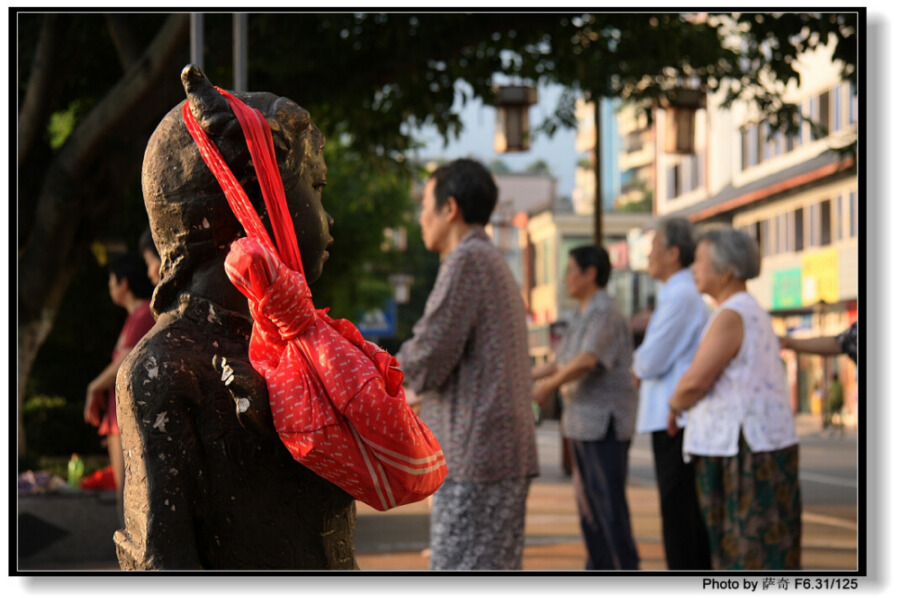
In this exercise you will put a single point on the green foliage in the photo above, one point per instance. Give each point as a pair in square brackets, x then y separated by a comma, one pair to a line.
[498, 166]
[644, 205]
[62, 124]
[363, 199]
[538, 167]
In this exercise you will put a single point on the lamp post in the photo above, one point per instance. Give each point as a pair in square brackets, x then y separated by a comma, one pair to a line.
[598, 176]
[239, 46]
[197, 39]
[239, 51]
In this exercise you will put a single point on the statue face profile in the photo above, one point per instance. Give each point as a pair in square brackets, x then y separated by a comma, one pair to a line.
[191, 221]
[312, 223]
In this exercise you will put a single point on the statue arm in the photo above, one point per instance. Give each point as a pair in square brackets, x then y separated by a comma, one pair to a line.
[162, 466]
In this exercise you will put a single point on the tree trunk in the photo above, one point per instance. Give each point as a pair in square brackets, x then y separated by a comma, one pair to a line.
[71, 195]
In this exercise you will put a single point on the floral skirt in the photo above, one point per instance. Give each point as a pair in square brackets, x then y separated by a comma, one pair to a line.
[751, 506]
[478, 526]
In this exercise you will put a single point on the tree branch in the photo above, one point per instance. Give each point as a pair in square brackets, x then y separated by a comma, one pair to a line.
[125, 97]
[37, 97]
[59, 205]
[123, 37]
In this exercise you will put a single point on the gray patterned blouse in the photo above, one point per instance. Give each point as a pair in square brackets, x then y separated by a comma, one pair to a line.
[606, 392]
[469, 359]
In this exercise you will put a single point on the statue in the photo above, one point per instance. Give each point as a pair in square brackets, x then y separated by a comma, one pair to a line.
[209, 486]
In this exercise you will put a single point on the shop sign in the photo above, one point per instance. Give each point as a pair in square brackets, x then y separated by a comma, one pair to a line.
[786, 289]
[820, 277]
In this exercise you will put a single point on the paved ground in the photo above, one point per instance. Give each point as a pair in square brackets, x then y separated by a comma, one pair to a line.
[73, 531]
[553, 537]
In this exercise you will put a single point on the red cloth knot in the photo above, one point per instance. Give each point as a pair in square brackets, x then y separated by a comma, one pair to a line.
[277, 295]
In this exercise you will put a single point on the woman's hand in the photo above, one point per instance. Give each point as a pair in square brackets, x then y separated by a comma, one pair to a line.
[672, 423]
[94, 404]
[542, 393]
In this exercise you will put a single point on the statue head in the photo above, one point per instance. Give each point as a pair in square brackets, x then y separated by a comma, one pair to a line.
[192, 223]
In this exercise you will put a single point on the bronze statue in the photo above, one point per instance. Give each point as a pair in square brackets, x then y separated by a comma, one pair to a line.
[209, 485]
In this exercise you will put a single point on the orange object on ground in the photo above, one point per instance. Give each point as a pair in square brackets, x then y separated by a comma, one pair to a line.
[102, 479]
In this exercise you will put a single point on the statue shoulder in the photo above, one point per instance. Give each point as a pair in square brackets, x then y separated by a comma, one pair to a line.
[153, 369]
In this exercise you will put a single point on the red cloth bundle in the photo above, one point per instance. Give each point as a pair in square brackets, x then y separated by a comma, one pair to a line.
[336, 399]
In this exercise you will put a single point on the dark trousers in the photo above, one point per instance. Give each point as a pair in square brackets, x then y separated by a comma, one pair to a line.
[601, 467]
[685, 536]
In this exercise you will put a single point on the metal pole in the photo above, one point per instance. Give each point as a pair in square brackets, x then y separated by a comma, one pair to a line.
[240, 51]
[598, 176]
[197, 39]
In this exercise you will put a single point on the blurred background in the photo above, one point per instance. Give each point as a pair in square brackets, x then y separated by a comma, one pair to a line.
[593, 123]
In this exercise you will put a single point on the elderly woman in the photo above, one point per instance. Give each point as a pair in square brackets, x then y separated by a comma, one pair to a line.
[740, 431]
[592, 374]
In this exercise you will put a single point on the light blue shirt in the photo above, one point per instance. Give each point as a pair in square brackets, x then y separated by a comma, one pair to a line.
[668, 348]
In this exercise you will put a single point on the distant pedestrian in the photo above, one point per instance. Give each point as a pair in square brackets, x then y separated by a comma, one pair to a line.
[468, 359]
[740, 430]
[670, 343]
[592, 373]
[835, 403]
[129, 288]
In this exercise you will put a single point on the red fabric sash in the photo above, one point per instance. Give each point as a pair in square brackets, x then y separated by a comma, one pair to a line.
[337, 400]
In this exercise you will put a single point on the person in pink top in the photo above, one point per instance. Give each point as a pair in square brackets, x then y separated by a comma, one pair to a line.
[129, 288]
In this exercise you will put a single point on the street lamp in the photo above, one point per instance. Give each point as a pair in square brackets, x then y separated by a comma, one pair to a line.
[511, 132]
[681, 105]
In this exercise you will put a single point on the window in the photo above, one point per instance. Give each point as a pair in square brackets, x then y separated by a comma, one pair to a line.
[785, 232]
[836, 116]
[672, 183]
[629, 179]
[825, 210]
[852, 209]
[690, 167]
[633, 142]
[853, 102]
[764, 238]
[822, 113]
[779, 248]
[764, 143]
[809, 109]
[839, 217]
[798, 229]
[795, 139]
[814, 225]
[699, 169]
[749, 147]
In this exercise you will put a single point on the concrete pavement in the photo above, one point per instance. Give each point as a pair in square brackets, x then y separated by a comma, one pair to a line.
[73, 532]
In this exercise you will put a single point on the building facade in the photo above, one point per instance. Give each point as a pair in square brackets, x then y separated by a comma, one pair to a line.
[798, 196]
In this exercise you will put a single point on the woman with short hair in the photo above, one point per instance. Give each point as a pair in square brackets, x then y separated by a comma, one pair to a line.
[740, 430]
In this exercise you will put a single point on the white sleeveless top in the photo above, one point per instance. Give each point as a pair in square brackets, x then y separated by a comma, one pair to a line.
[750, 395]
